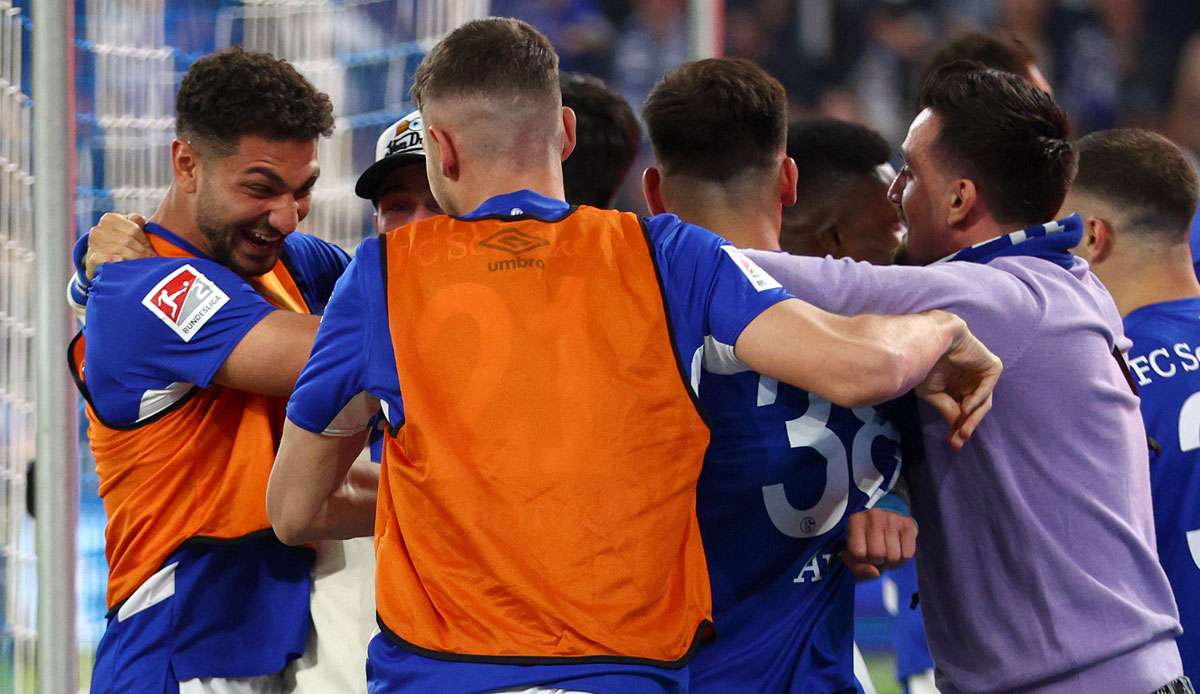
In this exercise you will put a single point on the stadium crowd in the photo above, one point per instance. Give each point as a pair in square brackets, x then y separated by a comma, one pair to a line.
[604, 452]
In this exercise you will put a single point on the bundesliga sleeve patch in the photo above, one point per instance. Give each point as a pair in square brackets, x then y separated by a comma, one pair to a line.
[185, 300]
[758, 277]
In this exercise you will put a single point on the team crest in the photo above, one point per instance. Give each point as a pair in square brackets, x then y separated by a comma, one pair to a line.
[185, 300]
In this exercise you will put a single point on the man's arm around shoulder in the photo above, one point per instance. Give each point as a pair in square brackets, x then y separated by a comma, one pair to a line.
[865, 360]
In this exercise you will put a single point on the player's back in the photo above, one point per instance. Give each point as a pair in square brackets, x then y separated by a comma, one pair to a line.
[784, 471]
[1164, 362]
[537, 503]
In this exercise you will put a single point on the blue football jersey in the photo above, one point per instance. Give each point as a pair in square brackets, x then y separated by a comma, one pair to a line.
[784, 471]
[1165, 363]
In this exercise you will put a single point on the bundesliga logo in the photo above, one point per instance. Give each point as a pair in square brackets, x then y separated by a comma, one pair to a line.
[185, 300]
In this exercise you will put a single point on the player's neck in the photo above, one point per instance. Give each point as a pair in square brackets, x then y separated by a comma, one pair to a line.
[484, 184]
[746, 225]
[177, 214]
[1152, 278]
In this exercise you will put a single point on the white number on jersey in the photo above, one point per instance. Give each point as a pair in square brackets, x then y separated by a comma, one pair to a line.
[811, 430]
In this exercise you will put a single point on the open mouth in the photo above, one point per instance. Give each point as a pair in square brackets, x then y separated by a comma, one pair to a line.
[264, 240]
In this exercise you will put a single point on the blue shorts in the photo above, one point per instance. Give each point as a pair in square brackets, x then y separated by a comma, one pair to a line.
[230, 610]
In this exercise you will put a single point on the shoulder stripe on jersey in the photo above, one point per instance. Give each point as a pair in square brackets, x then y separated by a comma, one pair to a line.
[156, 400]
[719, 358]
[662, 294]
[77, 376]
[704, 628]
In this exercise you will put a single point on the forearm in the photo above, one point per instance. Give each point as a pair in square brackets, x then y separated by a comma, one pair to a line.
[350, 511]
[914, 345]
[850, 361]
[307, 495]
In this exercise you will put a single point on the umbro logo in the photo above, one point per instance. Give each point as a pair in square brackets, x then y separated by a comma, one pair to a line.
[514, 241]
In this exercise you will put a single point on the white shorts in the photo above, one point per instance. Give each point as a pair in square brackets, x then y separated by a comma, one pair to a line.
[343, 617]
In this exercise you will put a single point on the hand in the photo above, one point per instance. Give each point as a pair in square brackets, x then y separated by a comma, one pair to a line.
[878, 539]
[960, 384]
[115, 238]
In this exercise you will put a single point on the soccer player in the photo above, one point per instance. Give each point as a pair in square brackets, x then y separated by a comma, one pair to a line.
[607, 139]
[536, 518]
[1036, 565]
[343, 599]
[841, 205]
[842, 210]
[185, 361]
[1137, 194]
[787, 476]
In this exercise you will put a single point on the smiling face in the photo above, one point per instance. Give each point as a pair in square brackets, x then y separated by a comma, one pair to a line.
[921, 193]
[248, 201]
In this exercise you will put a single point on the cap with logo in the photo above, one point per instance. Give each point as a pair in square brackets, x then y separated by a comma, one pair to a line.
[403, 142]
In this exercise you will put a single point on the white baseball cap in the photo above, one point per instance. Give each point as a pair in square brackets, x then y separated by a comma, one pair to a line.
[403, 142]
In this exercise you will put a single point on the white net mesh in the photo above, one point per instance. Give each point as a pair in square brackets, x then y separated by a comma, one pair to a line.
[17, 435]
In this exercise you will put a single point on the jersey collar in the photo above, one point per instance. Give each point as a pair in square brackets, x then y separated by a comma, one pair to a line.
[1051, 241]
[522, 203]
[175, 239]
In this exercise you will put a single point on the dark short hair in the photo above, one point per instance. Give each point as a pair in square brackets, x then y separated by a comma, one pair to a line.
[1004, 134]
[1144, 175]
[496, 56]
[234, 92]
[607, 135]
[716, 118]
[1000, 51]
[831, 152]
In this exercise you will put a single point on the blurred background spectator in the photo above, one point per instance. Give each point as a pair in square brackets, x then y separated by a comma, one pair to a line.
[1111, 62]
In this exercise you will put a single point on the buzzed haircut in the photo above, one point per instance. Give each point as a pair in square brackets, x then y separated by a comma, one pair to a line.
[492, 57]
[1005, 135]
[1144, 175]
[234, 92]
[715, 119]
[607, 136]
[830, 153]
[1000, 51]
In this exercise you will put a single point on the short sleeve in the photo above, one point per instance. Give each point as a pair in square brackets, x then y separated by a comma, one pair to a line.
[350, 353]
[317, 264]
[158, 323]
[708, 283]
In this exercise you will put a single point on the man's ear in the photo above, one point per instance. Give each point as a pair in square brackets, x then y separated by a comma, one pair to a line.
[1100, 238]
[963, 198]
[652, 190]
[446, 150]
[789, 174]
[569, 122]
[185, 165]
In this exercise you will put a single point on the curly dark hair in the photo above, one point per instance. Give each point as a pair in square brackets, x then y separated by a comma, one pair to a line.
[1006, 135]
[234, 92]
